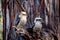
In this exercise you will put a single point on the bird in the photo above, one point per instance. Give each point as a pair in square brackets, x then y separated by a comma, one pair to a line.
[37, 25]
[22, 21]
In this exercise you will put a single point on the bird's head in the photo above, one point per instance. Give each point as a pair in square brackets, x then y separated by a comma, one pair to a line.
[22, 13]
[38, 19]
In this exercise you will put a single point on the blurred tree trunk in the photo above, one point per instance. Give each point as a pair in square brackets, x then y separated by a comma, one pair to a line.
[57, 18]
[4, 18]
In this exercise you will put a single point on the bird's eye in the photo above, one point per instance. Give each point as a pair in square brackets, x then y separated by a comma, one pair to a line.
[38, 20]
[24, 14]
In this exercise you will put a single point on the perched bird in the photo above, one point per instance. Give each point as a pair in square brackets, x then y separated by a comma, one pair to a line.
[23, 19]
[38, 25]
[22, 22]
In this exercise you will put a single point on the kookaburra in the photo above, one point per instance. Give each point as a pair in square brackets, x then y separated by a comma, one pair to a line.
[23, 20]
[38, 25]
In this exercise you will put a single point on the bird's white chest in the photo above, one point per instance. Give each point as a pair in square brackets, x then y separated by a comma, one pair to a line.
[23, 20]
[37, 24]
